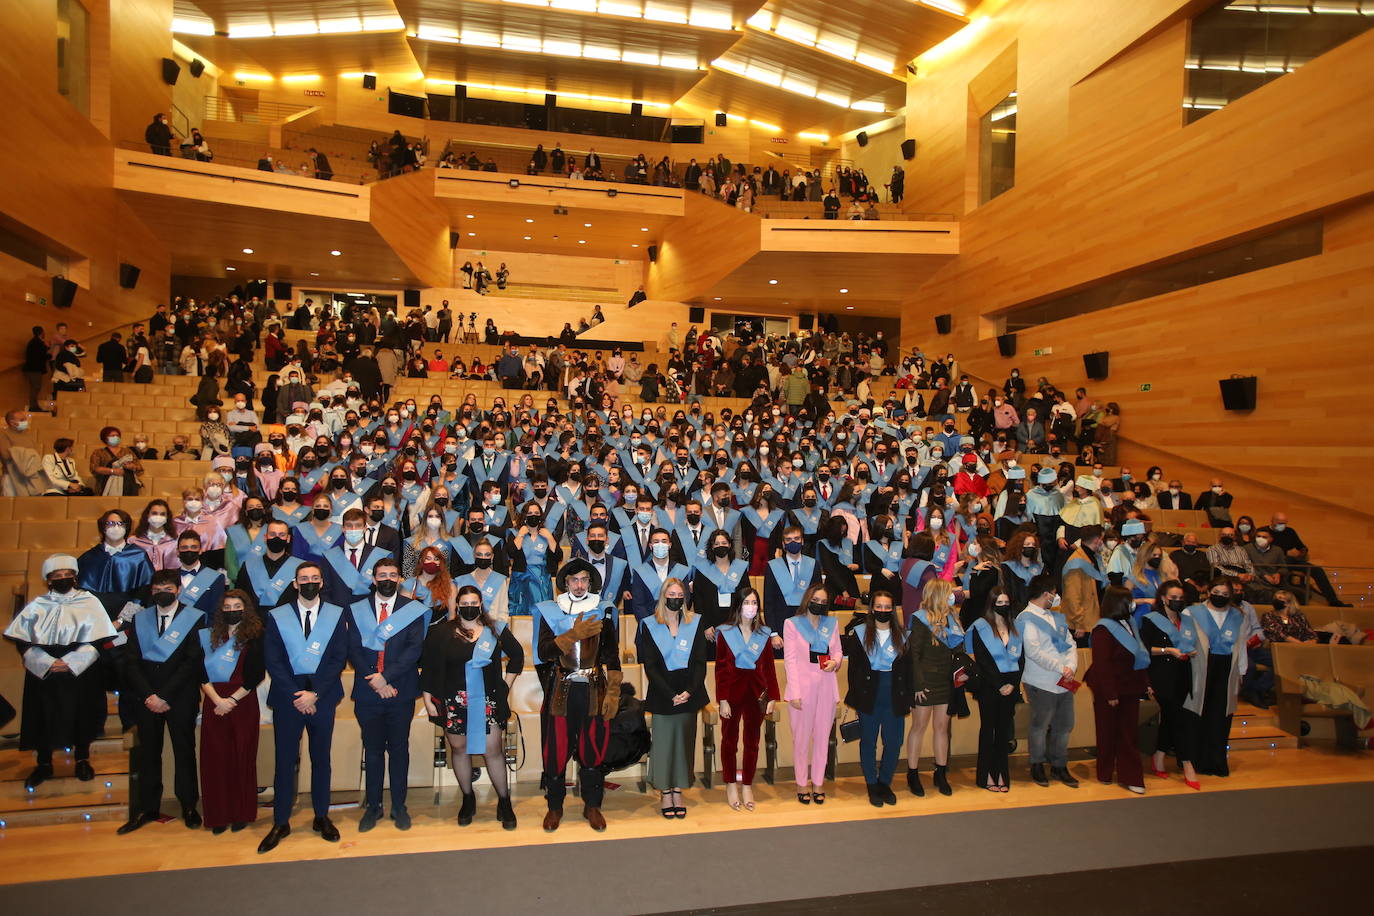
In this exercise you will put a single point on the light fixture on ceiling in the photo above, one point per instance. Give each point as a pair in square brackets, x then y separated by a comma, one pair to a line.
[581, 241]
[247, 251]
[643, 228]
[527, 238]
[192, 26]
[586, 225]
[313, 274]
[469, 216]
[529, 219]
[772, 282]
[717, 298]
[336, 252]
[231, 268]
[471, 234]
[849, 308]
[635, 245]
[843, 290]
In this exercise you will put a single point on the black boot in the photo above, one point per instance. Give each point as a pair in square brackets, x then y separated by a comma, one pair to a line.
[468, 809]
[505, 813]
[941, 779]
[874, 797]
[913, 782]
[1037, 774]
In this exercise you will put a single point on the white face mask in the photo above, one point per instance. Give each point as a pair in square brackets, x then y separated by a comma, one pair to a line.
[192, 507]
[115, 533]
[213, 493]
[749, 611]
[975, 549]
[432, 523]
[935, 524]
[157, 522]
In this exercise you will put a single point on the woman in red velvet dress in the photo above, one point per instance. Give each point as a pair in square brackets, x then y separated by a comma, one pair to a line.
[746, 689]
[229, 714]
[1119, 677]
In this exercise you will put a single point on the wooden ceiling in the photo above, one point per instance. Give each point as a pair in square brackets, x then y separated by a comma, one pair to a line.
[503, 227]
[366, 52]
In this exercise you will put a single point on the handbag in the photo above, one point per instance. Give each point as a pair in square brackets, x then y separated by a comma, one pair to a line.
[851, 730]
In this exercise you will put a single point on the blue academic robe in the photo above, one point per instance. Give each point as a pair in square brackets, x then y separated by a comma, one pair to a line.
[114, 578]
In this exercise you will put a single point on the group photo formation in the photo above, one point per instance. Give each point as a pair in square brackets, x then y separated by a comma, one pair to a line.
[476, 439]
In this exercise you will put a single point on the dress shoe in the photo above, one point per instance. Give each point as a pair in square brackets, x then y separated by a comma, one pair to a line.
[218, 830]
[235, 828]
[467, 809]
[552, 820]
[942, 779]
[41, 774]
[326, 829]
[369, 819]
[274, 836]
[402, 818]
[137, 821]
[1037, 774]
[192, 819]
[889, 797]
[505, 813]
[84, 771]
[913, 782]
[1063, 775]
[875, 798]
[596, 819]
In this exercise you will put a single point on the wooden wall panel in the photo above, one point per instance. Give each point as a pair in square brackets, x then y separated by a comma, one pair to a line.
[416, 226]
[701, 249]
[140, 37]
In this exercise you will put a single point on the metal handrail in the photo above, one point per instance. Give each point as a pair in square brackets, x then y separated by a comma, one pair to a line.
[218, 108]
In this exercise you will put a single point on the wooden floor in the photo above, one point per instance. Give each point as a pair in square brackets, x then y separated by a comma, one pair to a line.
[84, 850]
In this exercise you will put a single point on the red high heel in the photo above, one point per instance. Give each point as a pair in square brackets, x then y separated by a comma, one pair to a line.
[1162, 774]
[1197, 786]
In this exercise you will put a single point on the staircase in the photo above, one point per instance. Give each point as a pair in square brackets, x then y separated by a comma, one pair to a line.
[1255, 729]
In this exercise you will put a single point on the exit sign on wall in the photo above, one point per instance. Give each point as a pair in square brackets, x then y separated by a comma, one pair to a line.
[1146, 387]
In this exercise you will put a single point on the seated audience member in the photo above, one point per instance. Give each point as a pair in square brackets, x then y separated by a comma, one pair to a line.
[1287, 540]
[60, 469]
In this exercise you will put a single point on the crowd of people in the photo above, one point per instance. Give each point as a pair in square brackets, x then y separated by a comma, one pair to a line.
[399, 536]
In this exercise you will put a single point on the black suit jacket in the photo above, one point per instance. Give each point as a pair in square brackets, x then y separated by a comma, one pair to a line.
[1168, 501]
[177, 680]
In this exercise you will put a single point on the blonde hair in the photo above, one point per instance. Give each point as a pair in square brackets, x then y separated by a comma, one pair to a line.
[1167, 568]
[935, 602]
[659, 612]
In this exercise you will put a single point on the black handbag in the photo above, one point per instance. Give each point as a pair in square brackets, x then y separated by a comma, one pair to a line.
[851, 730]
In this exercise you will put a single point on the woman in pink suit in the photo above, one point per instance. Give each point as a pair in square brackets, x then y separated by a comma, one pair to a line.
[811, 656]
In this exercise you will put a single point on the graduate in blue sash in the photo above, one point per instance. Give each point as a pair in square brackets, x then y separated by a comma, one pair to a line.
[747, 691]
[317, 534]
[305, 649]
[160, 677]
[386, 632]
[493, 586]
[718, 578]
[613, 571]
[786, 579]
[1119, 677]
[674, 650]
[229, 715]
[348, 564]
[1171, 675]
[880, 692]
[247, 538]
[996, 648]
[882, 553]
[202, 586]
[1051, 661]
[271, 578]
[288, 506]
[1217, 630]
[534, 553]
[812, 656]
[935, 634]
[648, 577]
[470, 664]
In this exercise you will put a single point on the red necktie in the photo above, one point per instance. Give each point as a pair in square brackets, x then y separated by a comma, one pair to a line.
[353, 557]
[381, 618]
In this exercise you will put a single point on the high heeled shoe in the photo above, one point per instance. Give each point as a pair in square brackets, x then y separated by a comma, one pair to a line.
[668, 811]
[1195, 785]
[732, 795]
[1162, 774]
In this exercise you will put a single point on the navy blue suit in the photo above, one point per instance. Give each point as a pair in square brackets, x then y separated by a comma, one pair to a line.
[385, 723]
[207, 602]
[335, 590]
[776, 610]
[288, 723]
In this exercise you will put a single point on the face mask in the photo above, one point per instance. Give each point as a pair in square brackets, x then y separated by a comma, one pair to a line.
[862, 474]
[720, 551]
[660, 551]
[644, 517]
[430, 567]
[339, 483]
[1261, 543]
[309, 590]
[288, 496]
[1190, 549]
[1055, 602]
[1243, 528]
[188, 557]
[674, 604]
[819, 608]
[1218, 490]
[1227, 541]
[534, 521]
[1174, 491]
[387, 587]
[354, 537]
[1154, 562]
[192, 506]
[1279, 526]
[232, 618]
[410, 475]
[115, 532]
[975, 549]
[157, 522]
[793, 547]
[278, 544]
[488, 452]
[749, 611]
[164, 599]
[212, 417]
[469, 611]
[494, 499]
[1219, 601]
[214, 492]
[482, 562]
[23, 425]
[433, 523]
[64, 585]
[320, 514]
[935, 524]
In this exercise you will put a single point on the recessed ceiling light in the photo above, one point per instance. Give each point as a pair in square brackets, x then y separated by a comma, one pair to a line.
[844, 290]
[581, 241]
[231, 268]
[336, 252]
[527, 238]
[247, 251]
[469, 216]
[586, 225]
[313, 274]
[634, 246]
[643, 228]
[717, 298]
[394, 278]
[849, 308]
[472, 233]
[529, 219]
[772, 282]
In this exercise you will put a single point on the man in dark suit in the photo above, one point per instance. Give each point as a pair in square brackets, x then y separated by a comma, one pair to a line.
[305, 647]
[199, 586]
[489, 464]
[386, 633]
[348, 564]
[162, 666]
[271, 578]
[379, 535]
[1174, 497]
[786, 579]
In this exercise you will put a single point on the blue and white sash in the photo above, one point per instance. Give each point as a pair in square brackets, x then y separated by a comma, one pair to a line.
[1058, 632]
[219, 663]
[817, 637]
[954, 633]
[1007, 657]
[155, 648]
[476, 685]
[373, 634]
[305, 654]
[194, 590]
[891, 555]
[358, 580]
[244, 546]
[676, 650]
[745, 651]
[792, 592]
[319, 543]
[489, 589]
[1129, 639]
[1178, 636]
[1220, 640]
[881, 655]
[269, 592]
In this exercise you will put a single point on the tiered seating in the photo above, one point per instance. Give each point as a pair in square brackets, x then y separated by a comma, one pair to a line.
[1352, 666]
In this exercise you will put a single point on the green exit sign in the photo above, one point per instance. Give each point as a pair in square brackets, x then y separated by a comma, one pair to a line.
[1146, 387]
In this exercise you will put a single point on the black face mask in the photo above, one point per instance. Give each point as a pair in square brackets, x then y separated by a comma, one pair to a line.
[441, 501]
[164, 599]
[188, 557]
[694, 518]
[482, 562]
[387, 587]
[410, 475]
[288, 496]
[809, 503]
[1228, 541]
[277, 545]
[339, 483]
[1219, 601]
[596, 546]
[819, 609]
[674, 604]
[541, 492]
[232, 618]
[377, 515]
[309, 590]
[882, 616]
[256, 515]
[1176, 604]
[1028, 552]
[388, 490]
[1154, 562]
[469, 611]
[1190, 549]
[721, 551]
[64, 585]
[320, 514]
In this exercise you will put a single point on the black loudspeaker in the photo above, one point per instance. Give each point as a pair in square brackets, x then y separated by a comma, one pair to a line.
[720, 119]
[1006, 344]
[696, 314]
[412, 298]
[460, 91]
[550, 100]
[453, 239]
[1239, 392]
[1095, 364]
[369, 81]
[255, 289]
[63, 292]
[281, 289]
[636, 109]
[908, 149]
[862, 138]
[197, 67]
[170, 71]
[653, 254]
[128, 276]
[943, 323]
[804, 322]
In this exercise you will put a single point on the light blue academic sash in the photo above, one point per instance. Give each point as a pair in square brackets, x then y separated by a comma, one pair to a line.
[1022, 572]
[310, 479]
[725, 582]
[1220, 640]
[244, 546]
[676, 651]
[578, 504]
[817, 637]
[219, 663]
[648, 574]
[195, 589]
[954, 633]
[359, 580]
[891, 556]
[1129, 639]
[462, 548]
[479, 471]
[414, 586]
[745, 651]
[1058, 632]
[305, 655]
[373, 634]
[1007, 657]
[844, 552]
[292, 517]
[763, 527]
[1181, 639]
[269, 592]
[809, 520]
[880, 656]
[319, 544]
[1086, 567]
[918, 569]
[489, 590]
[155, 648]
[792, 592]
[482, 651]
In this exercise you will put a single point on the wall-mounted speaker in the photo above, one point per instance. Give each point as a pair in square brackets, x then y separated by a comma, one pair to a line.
[197, 67]
[636, 109]
[550, 100]
[653, 254]
[943, 323]
[908, 149]
[1006, 344]
[862, 137]
[370, 81]
[1095, 364]
[460, 91]
[720, 119]
[1239, 392]
[696, 314]
[281, 289]
[255, 289]
[412, 298]
[63, 292]
[453, 239]
[128, 276]
[170, 71]
[805, 322]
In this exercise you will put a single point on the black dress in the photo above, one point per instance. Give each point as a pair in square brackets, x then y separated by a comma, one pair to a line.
[996, 714]
[1172, 681]
[443, 675]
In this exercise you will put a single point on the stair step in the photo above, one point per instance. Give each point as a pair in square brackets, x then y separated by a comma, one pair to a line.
[65, 792]
[16, 765]
[1254, 730]
[1252, 743]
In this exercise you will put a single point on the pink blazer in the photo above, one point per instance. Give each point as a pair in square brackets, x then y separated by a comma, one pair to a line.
[805, 679]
